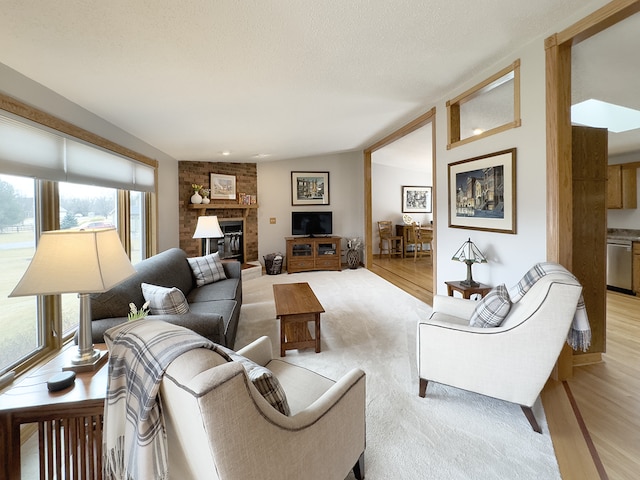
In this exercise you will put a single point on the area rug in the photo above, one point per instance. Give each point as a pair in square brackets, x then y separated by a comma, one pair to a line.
[371, 324]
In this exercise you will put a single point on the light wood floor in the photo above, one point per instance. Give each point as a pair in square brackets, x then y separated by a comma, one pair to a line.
[415, 278]
[594, 417]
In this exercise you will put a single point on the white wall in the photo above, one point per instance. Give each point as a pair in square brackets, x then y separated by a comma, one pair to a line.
[510, 256]
[628, 218]
[346, 197]
[26, 90]
[386, 195]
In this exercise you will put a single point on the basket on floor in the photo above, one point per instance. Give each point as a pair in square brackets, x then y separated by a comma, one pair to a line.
[273, 263]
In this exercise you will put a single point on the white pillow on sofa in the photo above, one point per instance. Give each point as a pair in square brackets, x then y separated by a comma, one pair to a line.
[164, 300]
[207, 269]
[492, 309]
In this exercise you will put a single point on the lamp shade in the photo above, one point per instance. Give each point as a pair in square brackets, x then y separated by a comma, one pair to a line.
[469, 253]
[208, 227]
[75, 261]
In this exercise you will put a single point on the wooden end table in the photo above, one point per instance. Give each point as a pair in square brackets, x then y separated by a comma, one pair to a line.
[296, 305]
[69, 421]
[466, 291]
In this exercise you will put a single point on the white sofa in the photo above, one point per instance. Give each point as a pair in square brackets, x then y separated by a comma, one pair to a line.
[511, 362]
[220, 427]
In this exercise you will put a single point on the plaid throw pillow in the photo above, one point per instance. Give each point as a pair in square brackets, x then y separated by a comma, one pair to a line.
[492, 309]
[207, 269]
[264, 381]
[164, 301]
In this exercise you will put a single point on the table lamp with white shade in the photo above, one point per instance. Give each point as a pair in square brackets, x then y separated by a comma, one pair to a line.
[77, 261]
[208, 228]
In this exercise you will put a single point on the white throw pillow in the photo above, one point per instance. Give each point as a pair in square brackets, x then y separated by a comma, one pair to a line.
[164, 300]
[492, 309]
[207, 269]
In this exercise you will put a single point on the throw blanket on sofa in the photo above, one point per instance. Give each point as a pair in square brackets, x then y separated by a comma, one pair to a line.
[134, 441]
[580, 332]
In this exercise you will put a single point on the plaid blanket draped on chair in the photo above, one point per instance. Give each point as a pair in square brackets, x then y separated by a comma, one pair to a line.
[580, 332]
[134, 433]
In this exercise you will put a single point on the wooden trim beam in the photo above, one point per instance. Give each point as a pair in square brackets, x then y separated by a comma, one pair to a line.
[410, 127]
[600, 20]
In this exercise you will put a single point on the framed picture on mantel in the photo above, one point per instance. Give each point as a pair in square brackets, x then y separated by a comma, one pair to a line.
[223, 186]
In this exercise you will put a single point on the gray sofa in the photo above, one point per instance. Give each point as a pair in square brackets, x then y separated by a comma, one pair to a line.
[214, 308]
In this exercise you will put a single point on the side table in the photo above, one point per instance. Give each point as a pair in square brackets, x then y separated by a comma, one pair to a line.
[69, 421]
[465, 291]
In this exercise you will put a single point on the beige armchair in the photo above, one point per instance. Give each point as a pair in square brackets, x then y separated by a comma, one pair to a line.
[220, 427]
[510, 362]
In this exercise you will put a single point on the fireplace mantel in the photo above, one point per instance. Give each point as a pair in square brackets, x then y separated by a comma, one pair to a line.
[223, 206]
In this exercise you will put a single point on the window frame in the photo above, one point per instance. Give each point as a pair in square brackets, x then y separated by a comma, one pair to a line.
[494, 81]
[47, 217]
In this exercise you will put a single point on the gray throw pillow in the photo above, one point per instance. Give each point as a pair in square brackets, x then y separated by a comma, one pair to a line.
[492, 309]
[207, 269]
[164, 300]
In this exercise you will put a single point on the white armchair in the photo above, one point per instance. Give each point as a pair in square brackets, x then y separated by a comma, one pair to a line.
[511, 362]
[220, 427]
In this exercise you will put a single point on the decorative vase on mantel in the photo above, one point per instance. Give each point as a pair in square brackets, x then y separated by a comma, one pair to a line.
[196, 198]
[205, 200]
[205, 196]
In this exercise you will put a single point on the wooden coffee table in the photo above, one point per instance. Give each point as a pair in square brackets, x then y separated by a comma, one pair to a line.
[296, 306]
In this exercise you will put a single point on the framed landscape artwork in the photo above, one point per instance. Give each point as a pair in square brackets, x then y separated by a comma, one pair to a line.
[482, 192]
[309, 188]
[416, 200]
[223, 186]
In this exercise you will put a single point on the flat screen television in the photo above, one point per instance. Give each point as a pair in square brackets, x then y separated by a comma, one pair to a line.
[312, 224]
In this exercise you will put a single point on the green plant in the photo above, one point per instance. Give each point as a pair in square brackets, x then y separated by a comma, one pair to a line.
[136, 314]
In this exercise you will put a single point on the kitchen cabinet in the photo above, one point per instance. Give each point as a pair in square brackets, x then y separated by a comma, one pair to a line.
[622, 191]
[636, 267]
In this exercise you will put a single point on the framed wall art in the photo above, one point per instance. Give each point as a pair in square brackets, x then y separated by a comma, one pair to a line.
[309, 188]
[416, 200]
[482, 192]
[223, 186]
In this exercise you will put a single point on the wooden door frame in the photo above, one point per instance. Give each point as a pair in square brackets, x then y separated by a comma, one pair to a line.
[410, 127]
[558, 108]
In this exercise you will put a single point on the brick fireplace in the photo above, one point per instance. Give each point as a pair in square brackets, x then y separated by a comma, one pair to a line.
[229, 212]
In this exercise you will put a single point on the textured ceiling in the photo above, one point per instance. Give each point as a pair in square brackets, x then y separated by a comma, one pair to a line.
[282, 78]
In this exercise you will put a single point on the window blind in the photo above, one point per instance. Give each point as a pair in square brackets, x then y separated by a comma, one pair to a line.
[34, 151]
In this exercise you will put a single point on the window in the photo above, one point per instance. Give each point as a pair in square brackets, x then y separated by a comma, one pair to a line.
[137, 226]
[51, 180]
[488, 108]
[83, 207]
[19, 321]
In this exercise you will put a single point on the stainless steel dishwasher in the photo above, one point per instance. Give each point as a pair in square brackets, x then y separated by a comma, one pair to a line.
[619, 259]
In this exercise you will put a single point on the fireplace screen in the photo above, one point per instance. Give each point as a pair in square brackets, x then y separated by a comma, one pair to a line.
[231, 246]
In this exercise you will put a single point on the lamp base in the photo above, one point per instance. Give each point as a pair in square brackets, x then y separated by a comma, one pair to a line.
[469, 282]
[87, 363]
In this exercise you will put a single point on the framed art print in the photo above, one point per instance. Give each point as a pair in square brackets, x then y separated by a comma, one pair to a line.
[309, 188]
[416, 200]
[223, 186]
[482, 192]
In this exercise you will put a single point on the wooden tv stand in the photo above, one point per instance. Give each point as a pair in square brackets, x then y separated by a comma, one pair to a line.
[313, 253]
